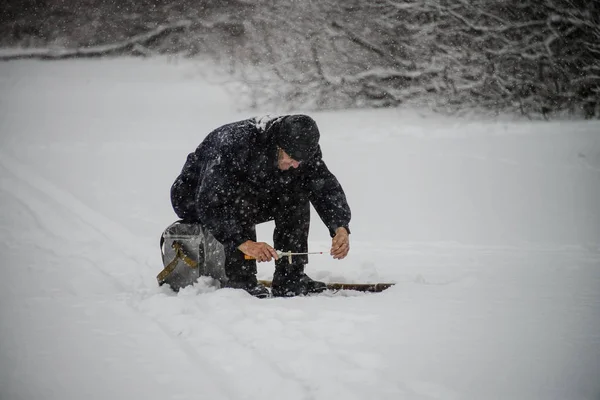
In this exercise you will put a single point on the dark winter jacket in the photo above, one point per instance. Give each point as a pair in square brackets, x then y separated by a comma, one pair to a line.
[236, 166]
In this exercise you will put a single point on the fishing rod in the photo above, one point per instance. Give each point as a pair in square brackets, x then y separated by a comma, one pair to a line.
[287, 254]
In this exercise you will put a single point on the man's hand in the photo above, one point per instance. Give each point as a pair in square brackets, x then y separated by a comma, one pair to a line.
[259, 250]
[340, 244]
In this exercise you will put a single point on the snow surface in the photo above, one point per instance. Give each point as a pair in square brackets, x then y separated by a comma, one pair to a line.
[490, 229]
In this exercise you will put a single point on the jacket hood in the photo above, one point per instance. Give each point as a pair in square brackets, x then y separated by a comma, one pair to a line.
[297, 135]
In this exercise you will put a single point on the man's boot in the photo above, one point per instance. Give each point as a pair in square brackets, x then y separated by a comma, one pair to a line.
[248, 283]
[241, 274]
[290, 280]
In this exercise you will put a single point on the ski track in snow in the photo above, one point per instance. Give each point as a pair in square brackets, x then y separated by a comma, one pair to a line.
[37, 203]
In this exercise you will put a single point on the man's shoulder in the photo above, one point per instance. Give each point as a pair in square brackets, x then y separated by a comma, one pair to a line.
[225, 133]
[237, 125]
[264, 122]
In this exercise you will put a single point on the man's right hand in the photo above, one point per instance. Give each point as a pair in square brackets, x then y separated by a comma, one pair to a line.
[259, 250]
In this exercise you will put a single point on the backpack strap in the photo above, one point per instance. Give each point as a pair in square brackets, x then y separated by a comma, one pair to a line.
[180, 254]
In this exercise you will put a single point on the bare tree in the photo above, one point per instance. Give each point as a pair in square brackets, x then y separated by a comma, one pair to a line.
[532, 57]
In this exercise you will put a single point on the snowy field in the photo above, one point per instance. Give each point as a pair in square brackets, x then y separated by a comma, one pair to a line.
[490, 230]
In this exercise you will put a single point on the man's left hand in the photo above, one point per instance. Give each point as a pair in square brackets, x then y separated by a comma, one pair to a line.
[340, 244]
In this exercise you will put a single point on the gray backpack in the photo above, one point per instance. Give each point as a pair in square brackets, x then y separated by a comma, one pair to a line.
[188, 252]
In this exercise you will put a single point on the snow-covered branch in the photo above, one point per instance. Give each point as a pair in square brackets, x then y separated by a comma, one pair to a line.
[132, 45]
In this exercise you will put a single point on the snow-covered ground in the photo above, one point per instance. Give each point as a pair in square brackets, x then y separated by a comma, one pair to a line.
[490, 229]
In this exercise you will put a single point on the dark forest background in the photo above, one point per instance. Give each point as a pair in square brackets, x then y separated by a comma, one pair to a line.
[540, 58]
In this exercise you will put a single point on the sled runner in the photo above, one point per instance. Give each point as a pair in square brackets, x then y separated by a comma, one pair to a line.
[361, 287]
[188, 251]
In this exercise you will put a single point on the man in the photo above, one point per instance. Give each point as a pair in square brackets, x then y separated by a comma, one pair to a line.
[259, 170]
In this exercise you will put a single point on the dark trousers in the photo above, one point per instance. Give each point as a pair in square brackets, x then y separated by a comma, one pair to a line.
[290, 209]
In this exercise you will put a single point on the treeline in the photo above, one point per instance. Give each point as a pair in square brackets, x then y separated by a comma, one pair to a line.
[535, 57]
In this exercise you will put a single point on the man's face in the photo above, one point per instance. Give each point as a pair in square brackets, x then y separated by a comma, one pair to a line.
[285, 162]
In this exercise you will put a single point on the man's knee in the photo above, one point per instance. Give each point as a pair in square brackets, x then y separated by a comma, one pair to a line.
[295, 206]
